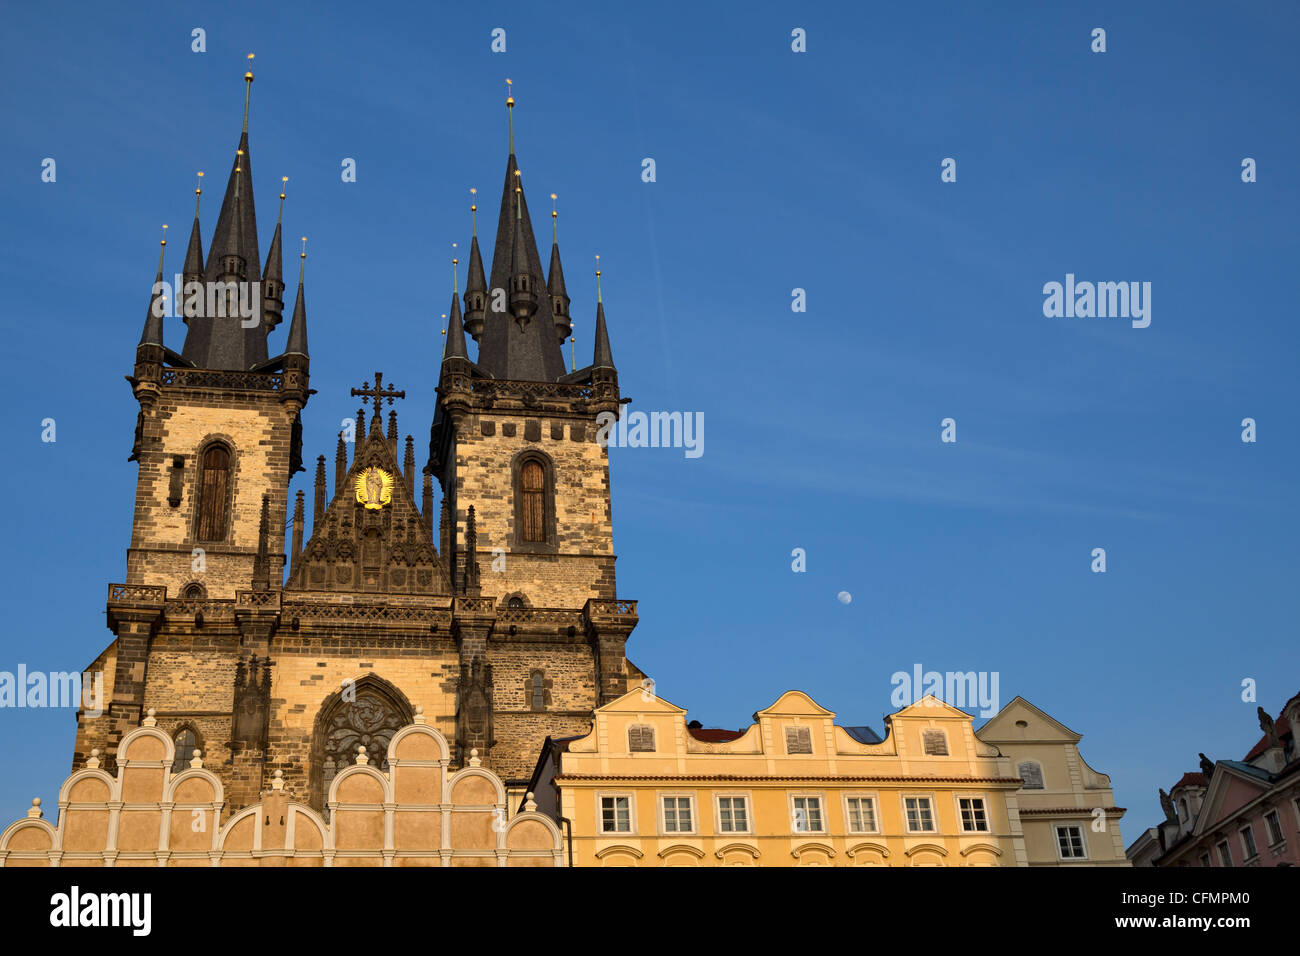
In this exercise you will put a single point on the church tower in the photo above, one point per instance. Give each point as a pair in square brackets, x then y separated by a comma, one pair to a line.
[218, 438]
[524, 479]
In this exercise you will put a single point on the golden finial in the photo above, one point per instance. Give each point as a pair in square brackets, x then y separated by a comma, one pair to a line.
[510, 108]
[248, 89]
[283, 180]
[519, 195]
[473, 209]
[161, 248]
[598, 279]
[455, 282]
[444, 335]
[555, 214]
[573, 361]
[302, 260]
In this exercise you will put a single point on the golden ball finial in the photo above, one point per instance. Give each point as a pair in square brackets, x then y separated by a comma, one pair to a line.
[198, 189]
[248, 77]
[510, 100]
[164, 235]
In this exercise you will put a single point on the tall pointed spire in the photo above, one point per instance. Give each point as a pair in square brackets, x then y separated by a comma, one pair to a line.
[455, 348]
[523, 297]
[153, 320]
[476, 285]
[555, 280]
[194, 254]
[602, 357]
[518, 343]
[273, 274]
[218, 342]
[297, 343]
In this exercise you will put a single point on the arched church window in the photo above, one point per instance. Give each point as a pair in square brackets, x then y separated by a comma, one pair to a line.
[532, 490]
[365, 715]
[186, 743]
[193, 592]
[214, 493]
[515, 603]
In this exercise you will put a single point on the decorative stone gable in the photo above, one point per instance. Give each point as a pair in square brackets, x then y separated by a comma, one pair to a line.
[372, 537]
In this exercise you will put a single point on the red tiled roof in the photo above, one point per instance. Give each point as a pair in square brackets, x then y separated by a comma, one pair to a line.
[1282, 726]
[714, 735]
[1191, 780]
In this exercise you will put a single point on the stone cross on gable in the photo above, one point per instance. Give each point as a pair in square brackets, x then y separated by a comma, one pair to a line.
[379, 393]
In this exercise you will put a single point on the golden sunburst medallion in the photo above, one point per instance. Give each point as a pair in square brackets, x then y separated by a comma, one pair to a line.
[374, 488]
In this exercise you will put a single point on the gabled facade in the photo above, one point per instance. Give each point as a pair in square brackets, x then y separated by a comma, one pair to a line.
[1067, 809]
[793, 789]
[1234, 812]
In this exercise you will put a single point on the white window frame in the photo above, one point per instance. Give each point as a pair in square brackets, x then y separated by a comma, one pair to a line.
[601, 797]
[821, 811]
[749, 813]
[1249, 848]
[663, 815]
[875, 811]
[934, 812]
[1083, 840]
[957, 798]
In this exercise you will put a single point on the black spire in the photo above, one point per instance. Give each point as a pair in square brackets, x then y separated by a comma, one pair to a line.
[602, 357]
[193, 271]
[455, 333]
[153, 319]
[273, 278]
[475, 292]
[555, 288]
[297, 343]
[527, 351]
[218, 342]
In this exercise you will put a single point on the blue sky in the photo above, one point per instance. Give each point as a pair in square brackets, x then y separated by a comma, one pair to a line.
[775, 171]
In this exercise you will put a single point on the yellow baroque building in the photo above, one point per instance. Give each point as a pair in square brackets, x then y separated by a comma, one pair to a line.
[1067, 809]
[794, 789]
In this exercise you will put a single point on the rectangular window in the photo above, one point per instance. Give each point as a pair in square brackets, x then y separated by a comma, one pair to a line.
[920, 815]
[1069, 841]
[733, 815]
[807, 814]
[1248, 841]
[1274, 824]
[615, 815]
[935, 743]
[798, 740]
[1225, 853]
[677, 815]
[1205, 860]
[973, 817]
[862, 814]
